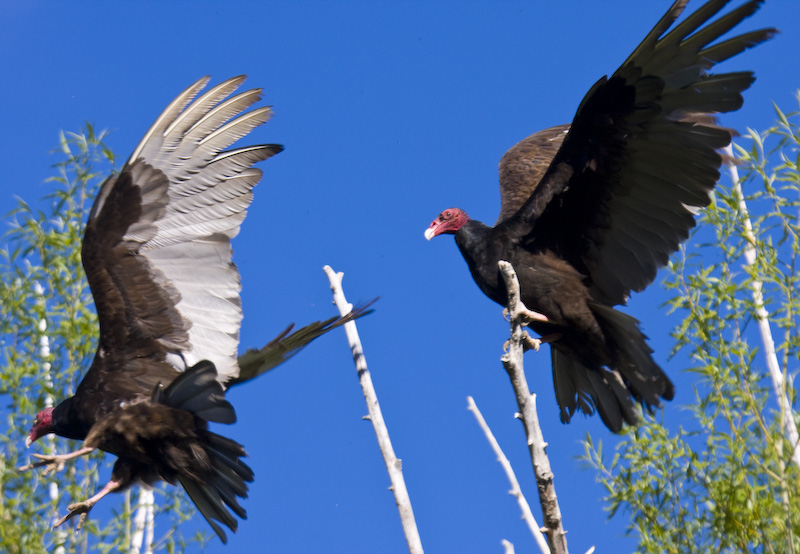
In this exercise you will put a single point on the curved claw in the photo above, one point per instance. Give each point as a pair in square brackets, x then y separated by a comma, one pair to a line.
[51, 464]
[82, 508]
[530, 343]
[55, 462]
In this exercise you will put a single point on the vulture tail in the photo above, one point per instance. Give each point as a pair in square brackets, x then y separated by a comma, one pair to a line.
[646, 380]
[255, 361]
[197, 391]
[581, 388]
[613, 391]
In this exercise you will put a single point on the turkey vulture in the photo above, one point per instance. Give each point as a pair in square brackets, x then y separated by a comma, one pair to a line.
[157, 254]
[590, 211]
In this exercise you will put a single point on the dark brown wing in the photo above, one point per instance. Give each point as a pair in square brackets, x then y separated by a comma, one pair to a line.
[522, 167]
[157, 249]
[135, 306]
[641, 155]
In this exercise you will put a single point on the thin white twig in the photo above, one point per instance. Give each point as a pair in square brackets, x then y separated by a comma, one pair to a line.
[509, 547]
[762, 317]
[142, 538]
[512, 362]
[150, 523]
[44, 354]
[515, 491]
[138, 530]
[393, 464]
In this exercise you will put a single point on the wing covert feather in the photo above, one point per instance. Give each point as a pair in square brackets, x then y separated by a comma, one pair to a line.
[522, 167]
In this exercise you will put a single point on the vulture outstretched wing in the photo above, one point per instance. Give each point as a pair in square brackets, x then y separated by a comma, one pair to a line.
[157, 249]
[641, 154]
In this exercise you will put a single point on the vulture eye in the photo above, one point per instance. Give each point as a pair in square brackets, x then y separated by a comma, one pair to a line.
[36, 422]
[447, 215]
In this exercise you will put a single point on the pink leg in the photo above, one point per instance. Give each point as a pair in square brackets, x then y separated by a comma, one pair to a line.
[55, 462]
[534, 316]
[83, 508]
[526, 315]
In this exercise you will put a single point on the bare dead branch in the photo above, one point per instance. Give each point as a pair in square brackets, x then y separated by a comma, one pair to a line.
[393, 464]
[512, 362]
[516, 490]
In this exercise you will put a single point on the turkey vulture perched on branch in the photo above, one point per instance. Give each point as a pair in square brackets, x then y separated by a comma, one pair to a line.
[590, 211]
[157, 254]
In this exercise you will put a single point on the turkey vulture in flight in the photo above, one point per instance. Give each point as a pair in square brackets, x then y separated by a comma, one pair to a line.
[590, 211]
[157, 254]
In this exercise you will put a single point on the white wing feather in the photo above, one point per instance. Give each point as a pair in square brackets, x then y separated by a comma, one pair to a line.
[209, 192]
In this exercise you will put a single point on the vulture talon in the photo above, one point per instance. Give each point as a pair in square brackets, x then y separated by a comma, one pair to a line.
[82, 508]
[55, 462]
[530, 343]
[52, 463]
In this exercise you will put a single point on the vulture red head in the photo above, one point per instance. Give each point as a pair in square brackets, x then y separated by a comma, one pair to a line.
[42, 425]
[448, 222]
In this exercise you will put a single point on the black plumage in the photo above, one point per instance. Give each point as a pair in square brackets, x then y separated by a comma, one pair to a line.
[590, 211]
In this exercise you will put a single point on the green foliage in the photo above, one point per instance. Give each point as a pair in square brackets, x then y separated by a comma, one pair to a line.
[727, 483]
[48, 333]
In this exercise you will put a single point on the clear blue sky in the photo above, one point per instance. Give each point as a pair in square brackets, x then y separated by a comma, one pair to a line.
[389, 112]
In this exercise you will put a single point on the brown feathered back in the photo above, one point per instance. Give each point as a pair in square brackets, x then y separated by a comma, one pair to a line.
[522, 167]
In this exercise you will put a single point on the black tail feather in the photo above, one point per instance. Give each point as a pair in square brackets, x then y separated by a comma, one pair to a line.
[229, 452]
[634, 377]
[579, 388]
[197, 391]
[254, 362]
[646, 380]
[228, 495]
[229, 480]
[210, 511]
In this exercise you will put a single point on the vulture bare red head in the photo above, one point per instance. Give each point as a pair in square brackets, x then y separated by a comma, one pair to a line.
[448, 222]
[42, 425]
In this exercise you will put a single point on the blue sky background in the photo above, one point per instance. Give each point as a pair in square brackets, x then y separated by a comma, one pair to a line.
[390, 112]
